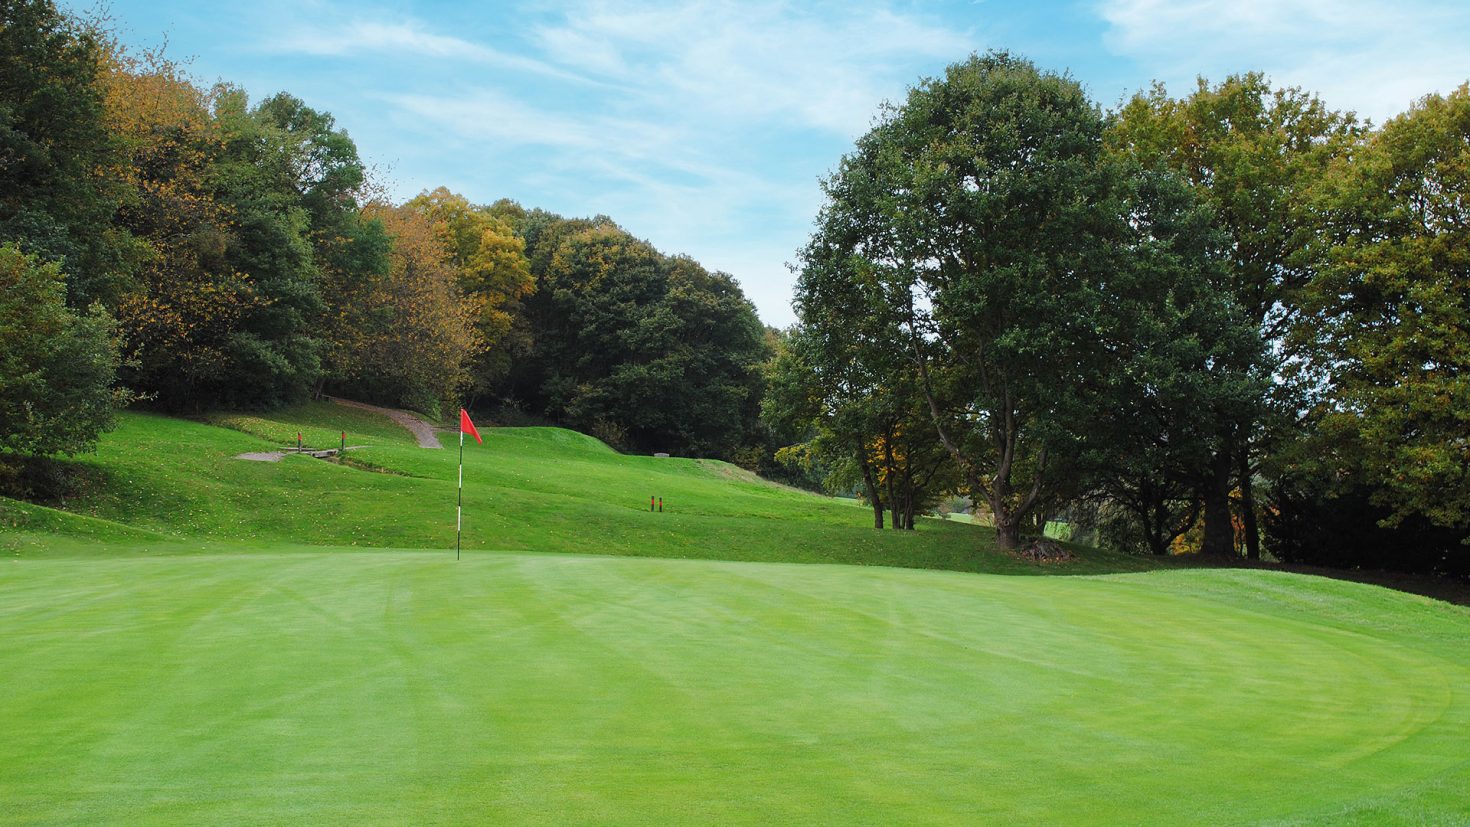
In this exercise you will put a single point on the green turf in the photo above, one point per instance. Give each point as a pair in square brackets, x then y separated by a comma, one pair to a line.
[530, 489]
[196, 640]
[402, 687]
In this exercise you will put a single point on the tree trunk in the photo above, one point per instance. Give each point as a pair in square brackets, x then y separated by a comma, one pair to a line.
[888, 480]
[873, 499]
[1007, 535]
[1153, 528]
[1248, 508]
[909, 497]
[1007, 525]
[1219, 538]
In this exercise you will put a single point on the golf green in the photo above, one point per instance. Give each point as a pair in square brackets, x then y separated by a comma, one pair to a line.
[291, 685]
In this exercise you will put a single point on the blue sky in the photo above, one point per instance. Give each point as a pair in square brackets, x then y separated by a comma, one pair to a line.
[704, 127]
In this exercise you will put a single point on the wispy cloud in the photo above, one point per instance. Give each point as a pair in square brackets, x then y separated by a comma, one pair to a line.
[404, 37]
[494, 118]
[825, 68]
[1367, 55]
[360, 36]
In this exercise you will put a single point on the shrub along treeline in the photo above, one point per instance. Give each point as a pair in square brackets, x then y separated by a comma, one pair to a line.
[212, 251]
[1192, 322]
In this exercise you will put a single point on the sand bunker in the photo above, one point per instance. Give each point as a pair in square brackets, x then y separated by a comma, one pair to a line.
[262, 456]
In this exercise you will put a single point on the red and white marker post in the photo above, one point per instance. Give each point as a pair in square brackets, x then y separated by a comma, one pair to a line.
[465, 427]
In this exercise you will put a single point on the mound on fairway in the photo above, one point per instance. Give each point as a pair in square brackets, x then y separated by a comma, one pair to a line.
[197, 640]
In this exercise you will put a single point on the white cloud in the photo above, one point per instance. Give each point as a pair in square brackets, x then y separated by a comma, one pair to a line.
[360, 38]
[756, 61]
[631, 147]
[497, 119]
[1366, 55]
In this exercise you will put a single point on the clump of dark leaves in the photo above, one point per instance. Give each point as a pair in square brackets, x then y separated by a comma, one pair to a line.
[39, 479]
[1042, 551]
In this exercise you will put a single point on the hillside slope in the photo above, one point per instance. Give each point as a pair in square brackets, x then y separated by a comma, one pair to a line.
[526, 489]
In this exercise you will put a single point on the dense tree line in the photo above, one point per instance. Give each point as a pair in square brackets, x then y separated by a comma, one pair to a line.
[1176, 318]
[203, 250]
[646, 350]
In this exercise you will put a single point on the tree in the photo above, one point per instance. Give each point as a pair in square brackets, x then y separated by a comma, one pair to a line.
[543, 233]
[789, 408]
[711, 346]
[57, 367]
[355, 267]
[1388, 330]
[828, 413]
[492, 266]
[1176, 339]
[980, 210]
[1251, 153]
[185, 303]
[1055, 303]
[646, 350]
[290, 180]
[599, 284]
[1323, 520]
[413, 330]
[860, 396]
[58, 160]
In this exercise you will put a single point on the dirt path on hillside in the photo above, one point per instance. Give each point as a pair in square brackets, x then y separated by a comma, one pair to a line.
[421, 429]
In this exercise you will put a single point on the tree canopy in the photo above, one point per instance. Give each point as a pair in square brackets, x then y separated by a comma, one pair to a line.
[1012, 272]
[1388, 329]
[643, 349]
[1251, 153]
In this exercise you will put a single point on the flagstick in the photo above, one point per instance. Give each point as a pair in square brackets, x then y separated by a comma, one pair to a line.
[459, 507]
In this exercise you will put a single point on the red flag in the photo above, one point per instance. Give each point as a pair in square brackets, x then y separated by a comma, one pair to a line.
[468, 427]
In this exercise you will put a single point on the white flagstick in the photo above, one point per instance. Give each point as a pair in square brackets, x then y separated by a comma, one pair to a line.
[459, 507]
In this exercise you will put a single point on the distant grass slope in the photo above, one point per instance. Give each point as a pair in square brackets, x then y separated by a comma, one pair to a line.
[526, 489]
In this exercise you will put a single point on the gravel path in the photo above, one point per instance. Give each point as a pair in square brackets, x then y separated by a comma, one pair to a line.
[421, 429]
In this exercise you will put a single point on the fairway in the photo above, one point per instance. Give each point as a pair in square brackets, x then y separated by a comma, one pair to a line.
[334, 686]
[202, 639]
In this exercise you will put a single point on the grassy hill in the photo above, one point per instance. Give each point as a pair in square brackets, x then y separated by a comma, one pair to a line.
[203, 639]
[527, 489]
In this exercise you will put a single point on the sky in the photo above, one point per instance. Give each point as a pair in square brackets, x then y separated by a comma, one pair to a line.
[706, 127]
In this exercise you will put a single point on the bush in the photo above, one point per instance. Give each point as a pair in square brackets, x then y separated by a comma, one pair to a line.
[39, 479]
[57, 367]
[1342, 529]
